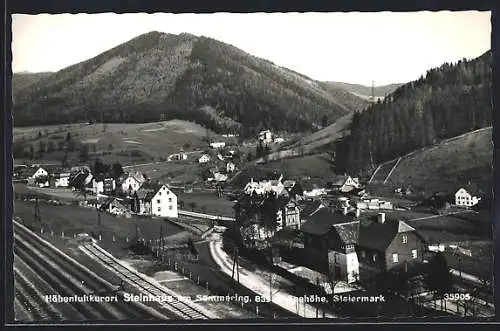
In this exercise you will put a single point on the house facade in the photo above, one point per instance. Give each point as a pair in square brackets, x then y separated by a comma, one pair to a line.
[464, 198]
[386, 243]
[40, 172]
[132, 183]
[205, 158]
[330, 239]
[217, 145]
[62, 180]
[116, 207]
[156, 200]
[230, 167]
[266, 137]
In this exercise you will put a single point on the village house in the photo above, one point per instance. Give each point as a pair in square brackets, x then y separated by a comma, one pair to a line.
[266, 137]
[385, 243]
[312, 188]
[466, 198]
[39, 172]
[279, 140]
[181, 156]
[218, 177]
[230, 167]
[115, 207]
[217, 145]
[329, 240]
[156, 200]
[261, 216]
[102, 184]
[272, 184]
[62, 179]
[345, 184]
[374, 204]
[205, 158]
[132, 182]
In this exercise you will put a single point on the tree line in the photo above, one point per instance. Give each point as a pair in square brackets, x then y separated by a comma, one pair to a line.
[450, 100]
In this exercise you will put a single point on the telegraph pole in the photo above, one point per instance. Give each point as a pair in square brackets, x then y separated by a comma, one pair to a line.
[236, 263]
[98, 221]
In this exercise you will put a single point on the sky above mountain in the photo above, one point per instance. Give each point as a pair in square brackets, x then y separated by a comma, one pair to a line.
[353, 47]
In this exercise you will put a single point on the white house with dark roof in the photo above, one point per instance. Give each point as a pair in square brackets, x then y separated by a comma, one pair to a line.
[205, 158]
[465, 198]
[156, 200]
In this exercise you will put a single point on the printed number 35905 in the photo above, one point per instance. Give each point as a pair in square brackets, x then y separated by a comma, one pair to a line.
[457, 296]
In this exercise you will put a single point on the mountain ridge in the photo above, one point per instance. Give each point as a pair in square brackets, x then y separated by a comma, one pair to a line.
[159, 76]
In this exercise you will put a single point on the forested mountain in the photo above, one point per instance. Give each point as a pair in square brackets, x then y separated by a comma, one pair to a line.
[159, 76]
[448, 101]
[364, 91]
[22, 80]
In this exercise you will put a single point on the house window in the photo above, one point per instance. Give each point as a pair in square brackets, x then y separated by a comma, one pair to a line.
[405, 239]
[169, 199]
[158, 201]
[159, 193]
[159, 208]
[414, 253]
[395, 258]
[170, 207]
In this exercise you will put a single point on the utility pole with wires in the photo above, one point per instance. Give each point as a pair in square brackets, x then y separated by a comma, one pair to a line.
[38, 216]
[236, 262]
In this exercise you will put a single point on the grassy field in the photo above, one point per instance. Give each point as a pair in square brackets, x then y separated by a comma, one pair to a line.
[180, 171]
[314, 166]
[448, 165]
[125, 143]
[213, 204]
[73, 219]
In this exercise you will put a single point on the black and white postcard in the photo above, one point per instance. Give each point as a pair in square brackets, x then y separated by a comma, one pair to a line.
[278, 166]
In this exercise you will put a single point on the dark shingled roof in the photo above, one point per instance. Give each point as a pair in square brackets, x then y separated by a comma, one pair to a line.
[148, 190]
[308, 207]
[348, 233]
[323, 220]
[379, 236]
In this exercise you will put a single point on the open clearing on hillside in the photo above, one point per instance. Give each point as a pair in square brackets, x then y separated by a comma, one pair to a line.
[116, 142]
[314, 166]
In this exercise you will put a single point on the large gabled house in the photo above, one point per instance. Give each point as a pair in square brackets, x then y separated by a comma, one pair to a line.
[467, 196]
[330, 239]
[155, 199]
[386, 242]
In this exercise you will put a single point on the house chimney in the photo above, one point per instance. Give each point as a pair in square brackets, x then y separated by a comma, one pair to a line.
[358, 212]
[344, 210]
[381, 218]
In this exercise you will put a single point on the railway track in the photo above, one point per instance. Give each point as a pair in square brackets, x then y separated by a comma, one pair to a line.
[55, 273]
[183, 309]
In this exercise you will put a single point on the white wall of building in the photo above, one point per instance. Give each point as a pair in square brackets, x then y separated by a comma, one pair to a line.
[164, 203]
[130, 182]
